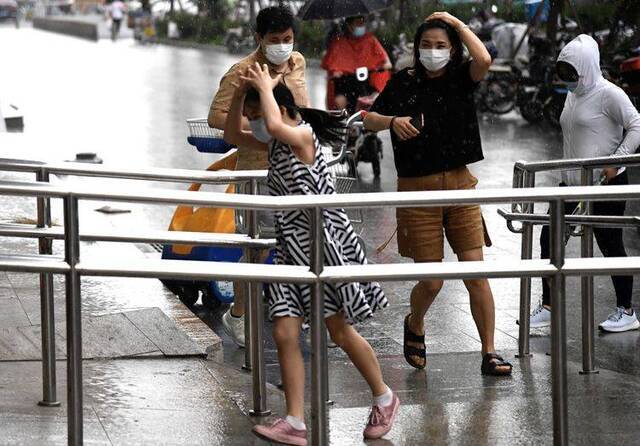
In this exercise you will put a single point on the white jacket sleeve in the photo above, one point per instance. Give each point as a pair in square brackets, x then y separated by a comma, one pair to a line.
[618, 106]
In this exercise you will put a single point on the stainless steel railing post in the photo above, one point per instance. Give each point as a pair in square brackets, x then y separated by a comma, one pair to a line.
[246, 189]
[529, 180]
[319, 379]
[47, 318]
[558, 326]
[586, 287]
[259, 384]
[74, 323]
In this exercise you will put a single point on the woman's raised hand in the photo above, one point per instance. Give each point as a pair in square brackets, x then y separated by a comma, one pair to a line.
[259, 77]
[447, 18]
[403, 128]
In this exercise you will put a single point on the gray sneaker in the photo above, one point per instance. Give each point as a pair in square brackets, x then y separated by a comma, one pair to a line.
[234, 326]
[620, 321]
[540, 318]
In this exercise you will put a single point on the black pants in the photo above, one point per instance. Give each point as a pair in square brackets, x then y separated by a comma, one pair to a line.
[609, 241]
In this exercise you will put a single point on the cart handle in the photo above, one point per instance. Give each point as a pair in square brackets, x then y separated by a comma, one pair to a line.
[352, 121]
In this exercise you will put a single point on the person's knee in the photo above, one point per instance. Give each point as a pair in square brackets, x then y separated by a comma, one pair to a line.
[477, 286]
[338, 337]
[342, 335]
[285, 334]
[429, 287]
[339, 330]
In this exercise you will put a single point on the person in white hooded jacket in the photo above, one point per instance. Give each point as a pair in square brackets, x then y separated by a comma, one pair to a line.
[598, 120]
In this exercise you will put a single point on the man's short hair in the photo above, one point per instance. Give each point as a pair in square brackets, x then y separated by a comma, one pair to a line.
[275, 19]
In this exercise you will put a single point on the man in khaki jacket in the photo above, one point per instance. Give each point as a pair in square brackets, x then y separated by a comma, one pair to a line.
[275, 29]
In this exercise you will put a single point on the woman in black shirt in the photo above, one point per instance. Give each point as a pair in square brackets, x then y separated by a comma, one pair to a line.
[431, 112]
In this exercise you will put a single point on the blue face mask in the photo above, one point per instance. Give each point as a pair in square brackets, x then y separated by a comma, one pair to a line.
[359, 31]
[259, 130]
[572, 86]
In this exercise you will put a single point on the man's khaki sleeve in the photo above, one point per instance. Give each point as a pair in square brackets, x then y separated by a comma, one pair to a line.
[222, 100]
[302, 95]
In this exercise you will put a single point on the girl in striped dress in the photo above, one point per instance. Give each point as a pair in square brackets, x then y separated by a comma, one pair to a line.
[294, 137]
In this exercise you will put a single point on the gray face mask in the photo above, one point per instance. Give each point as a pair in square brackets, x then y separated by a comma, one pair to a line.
[259, 130]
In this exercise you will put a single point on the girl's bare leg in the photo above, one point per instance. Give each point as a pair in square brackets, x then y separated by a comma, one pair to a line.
[286, 334]
[359, 351]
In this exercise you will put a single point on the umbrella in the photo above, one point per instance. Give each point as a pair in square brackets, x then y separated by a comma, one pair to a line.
[333, 9]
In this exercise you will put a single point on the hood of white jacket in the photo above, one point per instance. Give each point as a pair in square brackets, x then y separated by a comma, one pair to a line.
[582, 53]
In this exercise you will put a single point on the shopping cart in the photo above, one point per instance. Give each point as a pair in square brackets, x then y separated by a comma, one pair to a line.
[206, 139]
[342, 165]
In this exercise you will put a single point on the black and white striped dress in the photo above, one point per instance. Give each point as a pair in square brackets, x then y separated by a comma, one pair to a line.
[290, 176]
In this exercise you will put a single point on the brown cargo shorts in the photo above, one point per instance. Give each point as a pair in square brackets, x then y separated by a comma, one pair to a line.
[421, 231]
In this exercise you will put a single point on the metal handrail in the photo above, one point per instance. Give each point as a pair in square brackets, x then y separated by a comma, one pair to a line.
[151, 174]
[368, 200]
[605, 221]
[318, 274]
[146, 236]
[579, 163]
[524, 176]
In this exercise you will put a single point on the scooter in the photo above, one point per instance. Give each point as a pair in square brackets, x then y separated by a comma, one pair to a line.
[366, 146]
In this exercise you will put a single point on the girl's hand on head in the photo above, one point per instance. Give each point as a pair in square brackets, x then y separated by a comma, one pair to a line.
[260, 78]
[446, 18]
[403, 128]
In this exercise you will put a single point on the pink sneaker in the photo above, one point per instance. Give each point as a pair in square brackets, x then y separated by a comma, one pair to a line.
[381, 419]
[282, 432]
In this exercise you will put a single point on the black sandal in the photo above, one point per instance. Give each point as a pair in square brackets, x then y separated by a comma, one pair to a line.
[490, 364]
[410, 350]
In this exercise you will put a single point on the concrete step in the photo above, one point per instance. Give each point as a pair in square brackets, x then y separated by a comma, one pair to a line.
[144, 332]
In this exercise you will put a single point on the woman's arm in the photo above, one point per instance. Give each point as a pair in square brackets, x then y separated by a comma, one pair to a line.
[401, 126]
[233, 128]
[619, 108]
[481, 59]
[300, 139]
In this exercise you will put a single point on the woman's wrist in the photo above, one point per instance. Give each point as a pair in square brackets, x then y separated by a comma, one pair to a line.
[391, 122]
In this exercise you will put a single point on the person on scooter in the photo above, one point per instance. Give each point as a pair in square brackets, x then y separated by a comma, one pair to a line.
[354, 49]
[598, 120]
[275, 35]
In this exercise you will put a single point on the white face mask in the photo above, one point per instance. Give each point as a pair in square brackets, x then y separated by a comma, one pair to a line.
[434, 60]
[359, 31]
[278, 54]
[259, 130]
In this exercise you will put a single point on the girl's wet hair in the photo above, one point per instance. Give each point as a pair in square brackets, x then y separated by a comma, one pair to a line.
[457, 56]
[330, 129]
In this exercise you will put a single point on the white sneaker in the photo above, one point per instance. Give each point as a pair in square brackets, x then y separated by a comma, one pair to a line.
[234, 327]
[619, 321]
[540, 318]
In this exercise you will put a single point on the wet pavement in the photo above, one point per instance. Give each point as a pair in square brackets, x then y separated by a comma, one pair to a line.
[128, 103]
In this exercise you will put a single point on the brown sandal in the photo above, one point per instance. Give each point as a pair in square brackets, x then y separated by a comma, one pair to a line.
[490, 364]
[410, 350]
